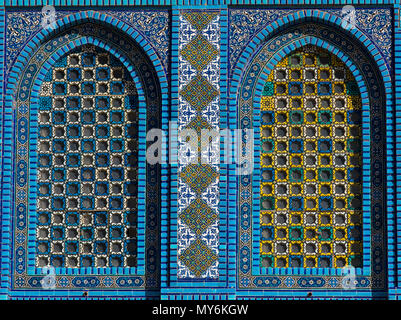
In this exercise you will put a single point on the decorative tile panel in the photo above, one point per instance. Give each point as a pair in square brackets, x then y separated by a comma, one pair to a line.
[265, 64]
[153, 25]
[199, 60]
[246, 23]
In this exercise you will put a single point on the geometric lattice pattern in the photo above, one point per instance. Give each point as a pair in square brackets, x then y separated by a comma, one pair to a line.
[87, 151]
[311, 163]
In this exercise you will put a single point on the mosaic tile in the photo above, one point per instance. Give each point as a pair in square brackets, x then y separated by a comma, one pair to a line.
[198, 176]
[247, 23]
[200, 49]
[198, 216]
[199, 19]
[199, 92]
[199, 52]
[154, 24]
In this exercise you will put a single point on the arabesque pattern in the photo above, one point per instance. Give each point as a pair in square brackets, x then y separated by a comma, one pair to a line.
[198, 192]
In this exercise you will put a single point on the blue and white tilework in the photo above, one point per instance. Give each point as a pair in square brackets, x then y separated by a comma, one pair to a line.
[198, 67]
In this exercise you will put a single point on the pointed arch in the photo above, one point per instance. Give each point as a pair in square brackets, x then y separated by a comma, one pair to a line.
[265, 50]
[33, 64]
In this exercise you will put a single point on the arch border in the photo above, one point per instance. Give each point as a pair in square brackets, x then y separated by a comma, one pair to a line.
[304, 15]
[81, 17]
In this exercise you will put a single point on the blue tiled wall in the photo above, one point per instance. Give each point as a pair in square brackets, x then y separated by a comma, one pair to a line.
[158, 36]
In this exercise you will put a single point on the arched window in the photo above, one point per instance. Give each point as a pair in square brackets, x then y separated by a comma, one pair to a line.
[87, 163]
[310, 195]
